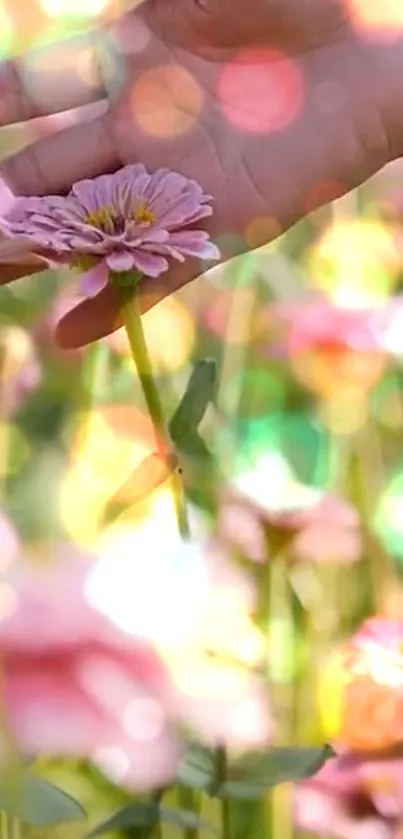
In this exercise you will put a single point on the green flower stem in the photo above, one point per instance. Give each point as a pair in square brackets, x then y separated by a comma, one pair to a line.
[179, 500]
[5, 824]
[11, 827]
[225, 819]
[130, 311]
[221, 772]
[189, 800]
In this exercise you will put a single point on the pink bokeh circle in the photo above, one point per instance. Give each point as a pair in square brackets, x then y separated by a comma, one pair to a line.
[261, 90]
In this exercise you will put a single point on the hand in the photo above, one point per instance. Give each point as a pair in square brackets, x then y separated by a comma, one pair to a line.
[274, 106]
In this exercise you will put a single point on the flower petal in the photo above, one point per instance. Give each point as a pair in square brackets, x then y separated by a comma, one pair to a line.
[224, 705]
[120, 261]
[92, 195]
[194, 243]
[149, 264]
[94, 280]
[49, 712]
[146, 764]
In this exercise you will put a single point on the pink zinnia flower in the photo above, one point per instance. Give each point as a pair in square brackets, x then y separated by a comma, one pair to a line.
[320, 528]
[333, 348]
[74, 685]
[111, 678]
[128, 221]
[352, 799]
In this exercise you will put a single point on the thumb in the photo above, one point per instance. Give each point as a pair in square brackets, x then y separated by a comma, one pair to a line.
[99, 316]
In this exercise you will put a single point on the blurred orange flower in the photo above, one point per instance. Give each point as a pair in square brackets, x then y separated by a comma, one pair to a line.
[361, 693]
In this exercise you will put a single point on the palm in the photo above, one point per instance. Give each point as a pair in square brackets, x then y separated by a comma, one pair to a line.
[265, 149]
[265, 137]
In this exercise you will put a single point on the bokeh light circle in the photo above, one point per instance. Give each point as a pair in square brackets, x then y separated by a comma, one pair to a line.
[388, 520]
[166, 101]
[386, 403]
[261, 230]
[7, 32]
[322, 193]
[262, 392]
[261, 91]
[346, 413]
[170, 318]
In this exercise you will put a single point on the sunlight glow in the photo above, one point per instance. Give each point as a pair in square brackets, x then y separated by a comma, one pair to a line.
[272, 485]
[106, 447]
[356, 262]
[74, 8]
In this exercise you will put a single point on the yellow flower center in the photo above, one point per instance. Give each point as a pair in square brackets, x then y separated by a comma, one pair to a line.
[143, 215]
[105, 218]
[102, 217]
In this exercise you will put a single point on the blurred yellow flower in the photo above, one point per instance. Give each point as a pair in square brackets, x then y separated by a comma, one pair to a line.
[106, 446]
[357, 262]
[170, 336]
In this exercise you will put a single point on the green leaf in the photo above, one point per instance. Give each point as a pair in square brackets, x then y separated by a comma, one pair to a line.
[255, 773]
[197, 768]
[146, 815]
[184, 819]
[194, 446]
[199, 392]
[40, 803]
[241, 790]
[136, 814]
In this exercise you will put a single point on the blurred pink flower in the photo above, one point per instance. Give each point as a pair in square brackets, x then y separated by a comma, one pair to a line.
[352, 799]
[333, 347]
[21, 371]
[321, 323]
[127, 221]
[327, 529]
[9, 542]
[75, 685]
[86, 671]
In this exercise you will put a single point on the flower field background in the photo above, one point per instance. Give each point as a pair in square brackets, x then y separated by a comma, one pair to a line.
[298, 347]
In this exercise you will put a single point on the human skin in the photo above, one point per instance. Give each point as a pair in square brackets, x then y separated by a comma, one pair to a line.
[338, 123]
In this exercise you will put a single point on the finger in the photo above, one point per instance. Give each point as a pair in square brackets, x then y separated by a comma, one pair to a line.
[12, 271]
[53, 163]
[17, 260]
[94, 318]
[53, 79]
